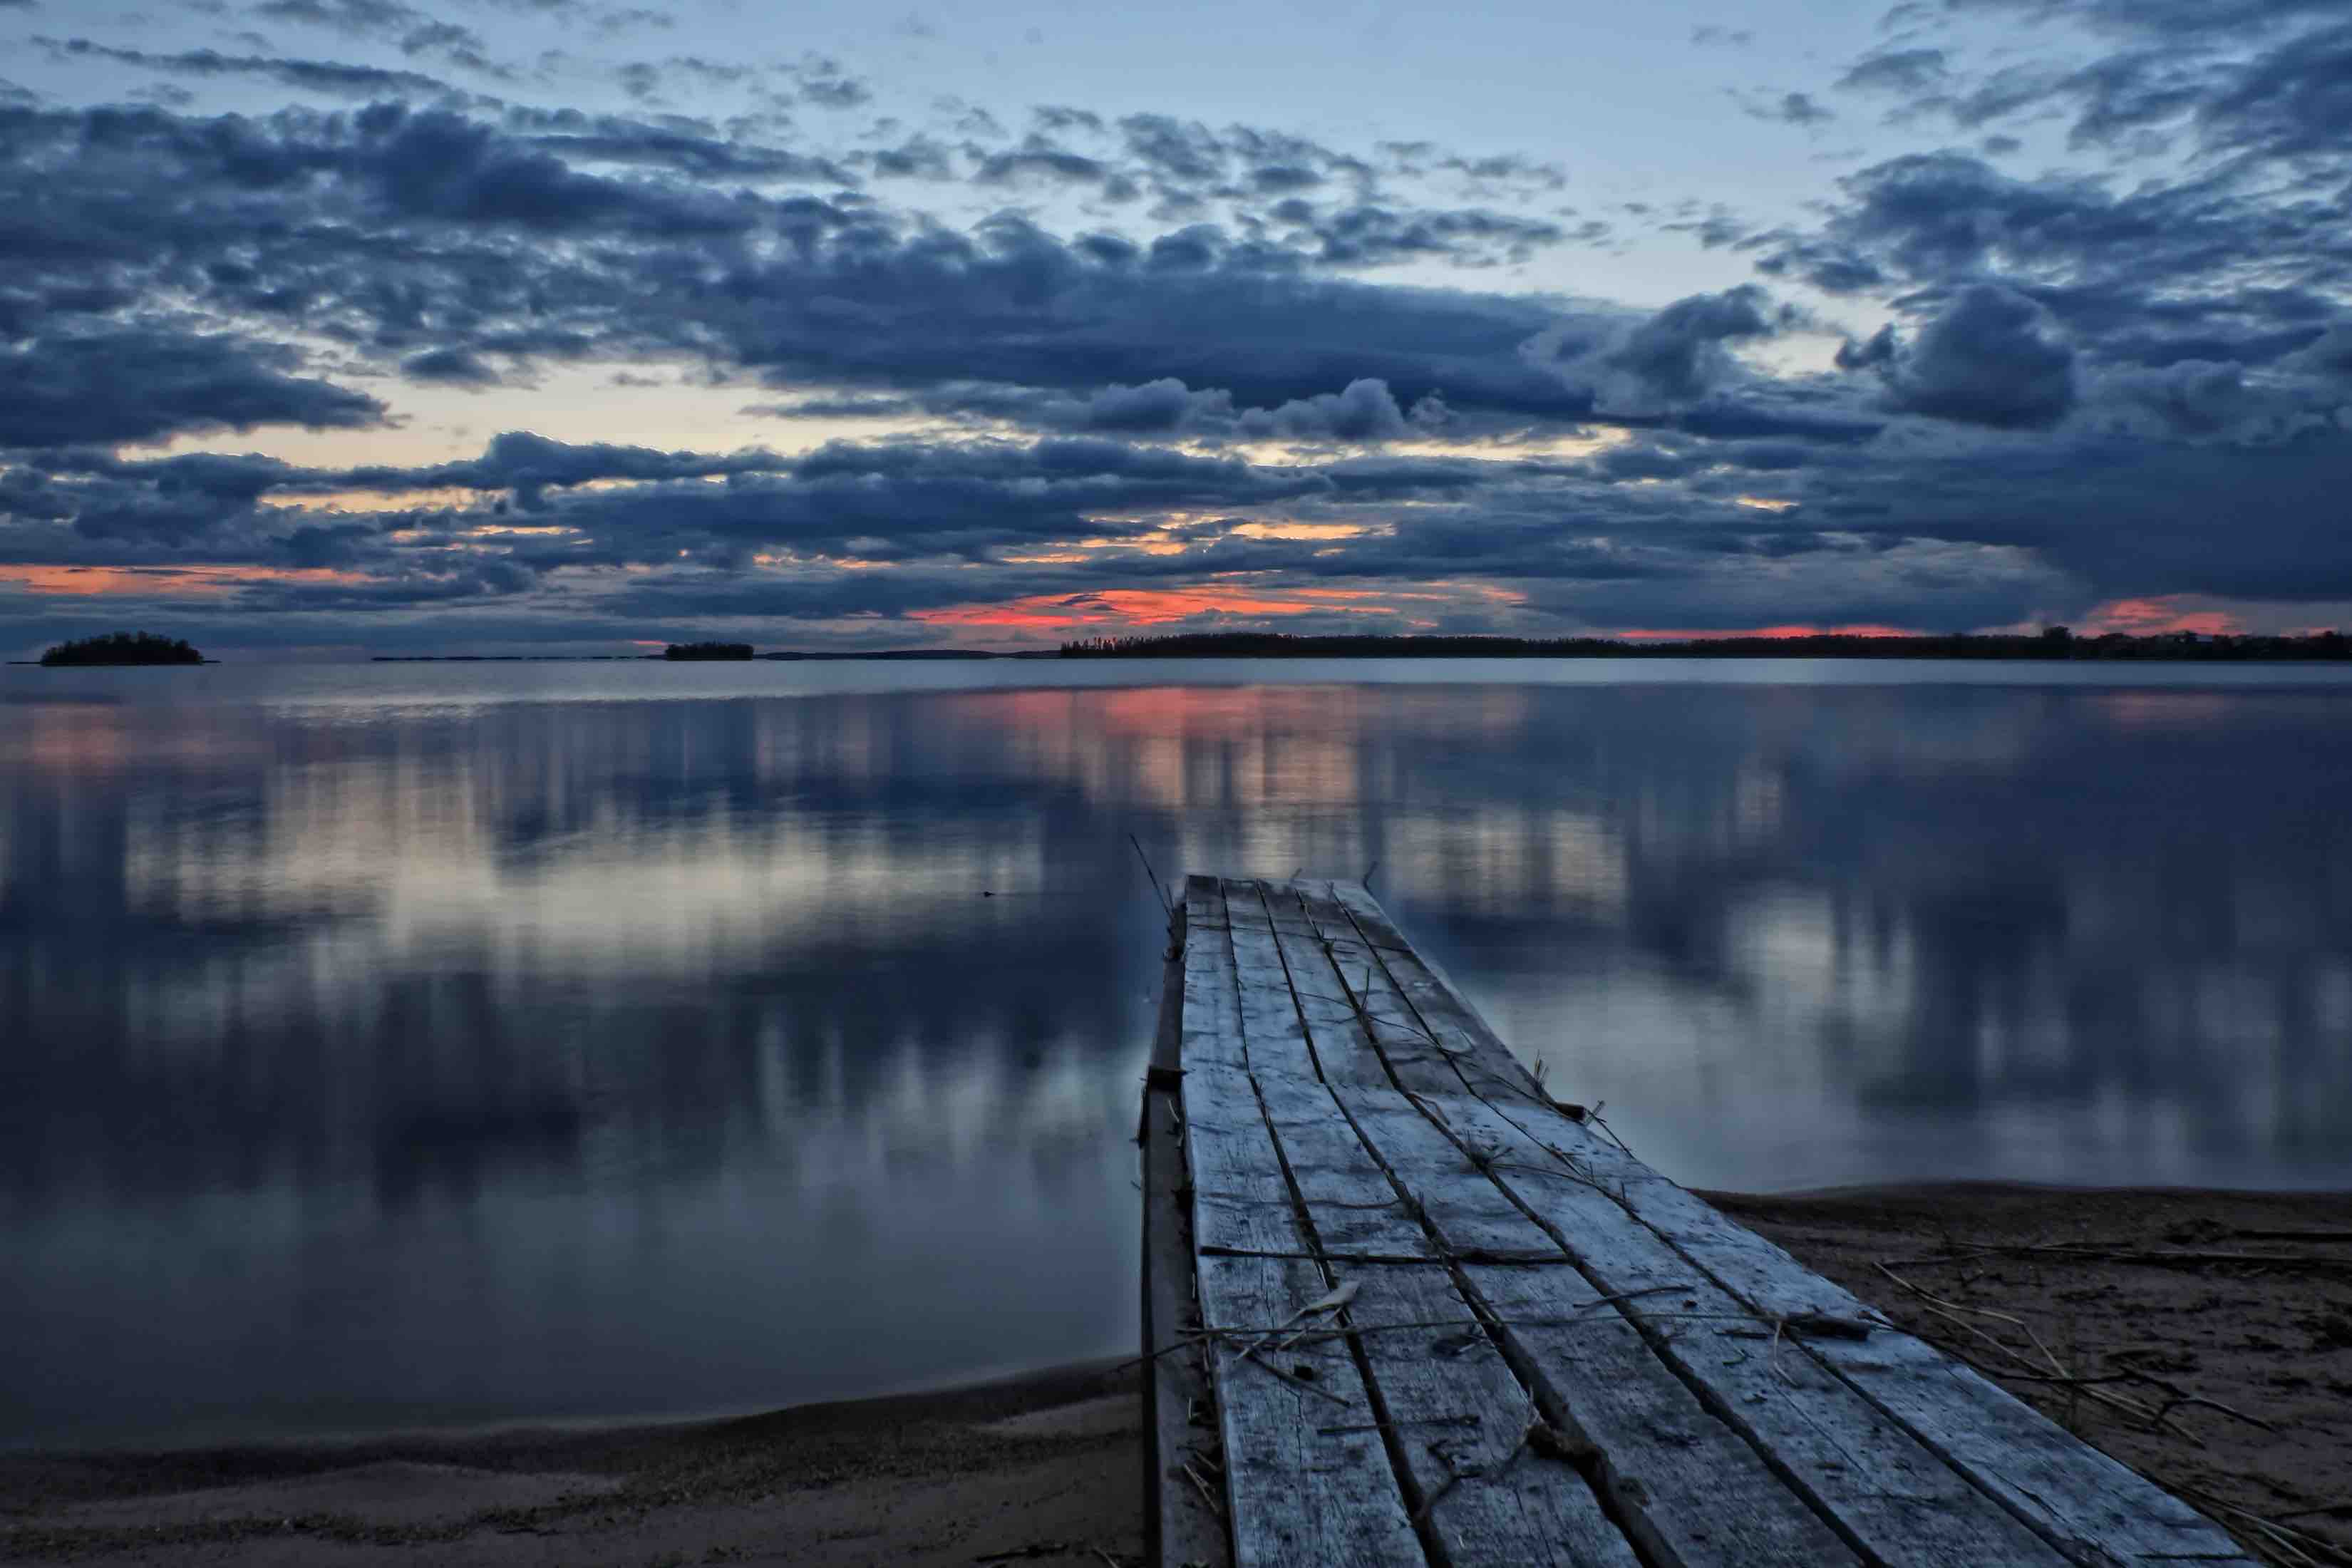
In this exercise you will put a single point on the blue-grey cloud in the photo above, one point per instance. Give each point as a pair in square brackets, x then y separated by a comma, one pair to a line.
[1987, 360]
[2082, 369]
[1798, 109]
[133, 384]
[1907, 71]
[311, 76]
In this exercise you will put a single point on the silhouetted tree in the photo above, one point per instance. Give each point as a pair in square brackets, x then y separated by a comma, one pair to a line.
[2053, 642]
[124, 648]
[685, 650]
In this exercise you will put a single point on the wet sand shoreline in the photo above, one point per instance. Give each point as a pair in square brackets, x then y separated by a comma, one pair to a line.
[2203, 1337]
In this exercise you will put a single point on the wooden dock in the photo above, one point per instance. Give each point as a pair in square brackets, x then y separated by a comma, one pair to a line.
[1401, 1307]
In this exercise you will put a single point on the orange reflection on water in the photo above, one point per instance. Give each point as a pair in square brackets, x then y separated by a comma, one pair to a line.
[2164, 709]
[70, 738]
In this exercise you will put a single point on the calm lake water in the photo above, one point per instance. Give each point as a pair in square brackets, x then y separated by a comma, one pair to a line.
[389, 1045]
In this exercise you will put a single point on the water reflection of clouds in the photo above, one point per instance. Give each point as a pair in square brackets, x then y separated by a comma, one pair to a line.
[556, 1013]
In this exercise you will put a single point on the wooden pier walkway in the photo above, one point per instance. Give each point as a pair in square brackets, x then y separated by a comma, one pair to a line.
[1401, 1306]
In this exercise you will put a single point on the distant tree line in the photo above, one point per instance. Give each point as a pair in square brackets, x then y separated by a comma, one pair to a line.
[124, 648]
[2053, 642]
[689, 650]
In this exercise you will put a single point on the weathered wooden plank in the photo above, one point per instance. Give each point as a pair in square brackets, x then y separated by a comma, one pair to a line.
[2095, 1510]
[1411, 1012]
[1358, 899]
[1712, 1491]
[1902, 1504]
[1689, 1490]
[1885, 1490]
[1308, 1479]
[1181, 1525]
[1286, 918]
[1455, 1199]
[1325, 999]
[1204, 905]
[1274, 1036]
[1179, 1426]
[1458, 1419]
[2075, 1499]
[1439, 1006]
[1349, 1200]
[1212, 1023]
[1240, 1201]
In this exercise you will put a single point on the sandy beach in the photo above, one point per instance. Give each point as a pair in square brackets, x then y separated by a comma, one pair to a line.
[2204, 1338]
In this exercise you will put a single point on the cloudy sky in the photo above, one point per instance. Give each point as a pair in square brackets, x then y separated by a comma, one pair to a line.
[339, 326]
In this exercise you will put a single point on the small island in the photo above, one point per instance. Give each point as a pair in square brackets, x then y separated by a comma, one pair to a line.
[122, 647]
[696, 651]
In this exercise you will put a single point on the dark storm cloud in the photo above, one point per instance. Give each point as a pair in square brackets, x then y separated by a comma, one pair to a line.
[450, 367]
[1729, 419]
[441, 165]
[2121, 517]
[2261, 80]
[2290, 101]
[1987, 360]
[1640, 367]
[1676, 354]
[132, 383]
[891, 500]
[862, 305]
[2187, 20]
[2081, 376]
[854, 293]
[1982, 535]
[1363, 411]
[1373, 235]
[2197, 268]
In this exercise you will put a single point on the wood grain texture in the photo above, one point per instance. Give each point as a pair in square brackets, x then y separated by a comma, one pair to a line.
[2077, 1501]
[1210, 1030]
[1690, 1490]
[1340, 1094]
[2095, 1510]
[1307, 1477]
[1182, 1525]
[1349, 1200]
[1887, 1493]
[1681, 1477]
[1240, 1203]
[1459, 1420]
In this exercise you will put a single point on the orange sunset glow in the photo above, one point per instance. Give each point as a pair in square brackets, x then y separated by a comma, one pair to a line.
[1138, 606]
[189, 580]
[1863, 629]
[2145, 617]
